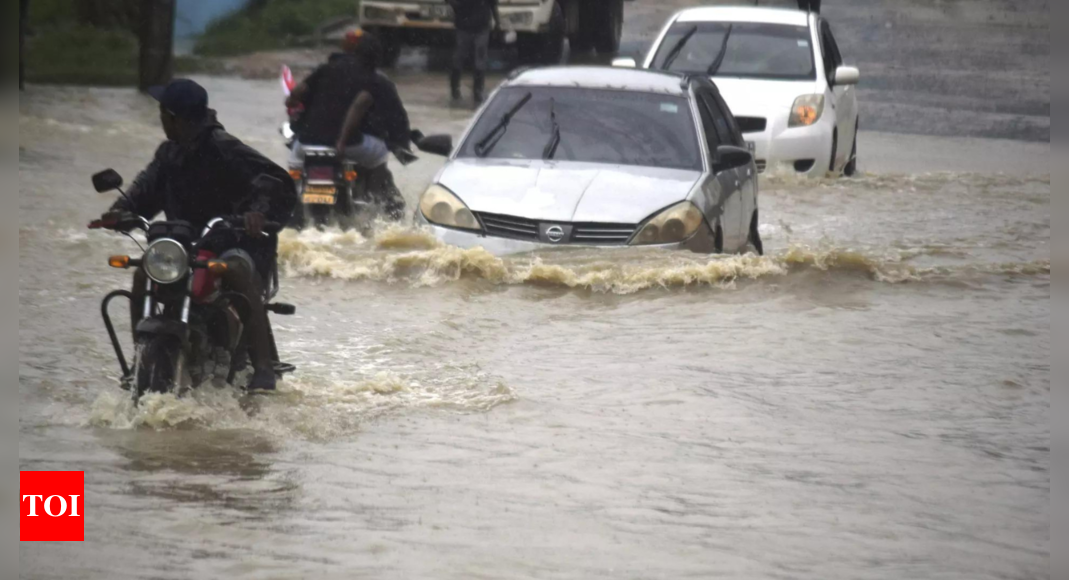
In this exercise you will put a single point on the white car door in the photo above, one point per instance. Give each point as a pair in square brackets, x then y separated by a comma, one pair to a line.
[843, 97]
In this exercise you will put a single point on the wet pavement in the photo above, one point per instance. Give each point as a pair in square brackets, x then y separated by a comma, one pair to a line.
[870, 400]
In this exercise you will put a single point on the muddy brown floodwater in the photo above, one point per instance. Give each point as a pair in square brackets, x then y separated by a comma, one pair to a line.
[870, 400]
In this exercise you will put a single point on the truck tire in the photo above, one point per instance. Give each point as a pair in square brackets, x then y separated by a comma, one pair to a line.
[608, 27]
[545, 48]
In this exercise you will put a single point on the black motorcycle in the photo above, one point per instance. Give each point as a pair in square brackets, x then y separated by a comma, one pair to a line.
[191, 329]
[334, 191]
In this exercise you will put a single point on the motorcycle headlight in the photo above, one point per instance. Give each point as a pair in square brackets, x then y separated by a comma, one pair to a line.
[441, 207]
[166, 261]
[673, 225]
[806, 111]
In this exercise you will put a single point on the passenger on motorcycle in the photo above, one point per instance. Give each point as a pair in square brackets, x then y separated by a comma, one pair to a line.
[201, 172]
[352, 107]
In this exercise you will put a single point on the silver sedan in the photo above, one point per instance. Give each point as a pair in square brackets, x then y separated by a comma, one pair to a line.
[597, 156]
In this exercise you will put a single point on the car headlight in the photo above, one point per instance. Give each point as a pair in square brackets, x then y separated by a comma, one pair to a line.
[806, 111]
[166, 261]
[673, 225]
[441, 207]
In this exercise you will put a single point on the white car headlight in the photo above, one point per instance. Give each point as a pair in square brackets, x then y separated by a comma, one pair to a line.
[806, 111]
[166, 261]
[673, 225]
[441, 207]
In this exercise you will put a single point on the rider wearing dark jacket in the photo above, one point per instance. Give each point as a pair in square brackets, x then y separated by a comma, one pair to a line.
[201, 172]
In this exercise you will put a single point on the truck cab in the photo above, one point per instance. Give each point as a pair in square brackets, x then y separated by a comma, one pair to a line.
[542, 26]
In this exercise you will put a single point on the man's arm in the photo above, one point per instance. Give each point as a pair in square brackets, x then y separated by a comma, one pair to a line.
[269, 191]
[298, 95]
[354, 117]
[146, 197]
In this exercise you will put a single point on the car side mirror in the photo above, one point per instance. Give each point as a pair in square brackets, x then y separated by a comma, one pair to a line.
[436, 145]
[847, 76]
[107, 180]
[729, 157]
[624, 62]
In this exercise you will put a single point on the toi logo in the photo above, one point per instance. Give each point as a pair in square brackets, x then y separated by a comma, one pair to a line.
[52, 506]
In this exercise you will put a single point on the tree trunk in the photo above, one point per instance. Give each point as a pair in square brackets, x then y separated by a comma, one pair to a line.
[24, 19]
[157, 43]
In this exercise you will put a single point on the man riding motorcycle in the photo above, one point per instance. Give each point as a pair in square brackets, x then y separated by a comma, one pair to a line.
[201, 172]
[352, 107]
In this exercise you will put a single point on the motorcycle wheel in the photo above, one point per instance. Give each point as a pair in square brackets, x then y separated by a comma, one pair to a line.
[158, 364]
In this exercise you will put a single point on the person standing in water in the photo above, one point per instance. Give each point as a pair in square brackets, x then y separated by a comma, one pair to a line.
[474, 20]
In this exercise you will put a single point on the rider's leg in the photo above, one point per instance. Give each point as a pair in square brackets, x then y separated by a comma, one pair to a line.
[383, 189]
[241, 277]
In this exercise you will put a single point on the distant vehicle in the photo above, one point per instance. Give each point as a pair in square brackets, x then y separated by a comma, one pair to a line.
[542, 25]
[602, 157]
[781, 72]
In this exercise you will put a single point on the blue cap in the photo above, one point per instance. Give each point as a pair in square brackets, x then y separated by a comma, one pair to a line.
[183, 98]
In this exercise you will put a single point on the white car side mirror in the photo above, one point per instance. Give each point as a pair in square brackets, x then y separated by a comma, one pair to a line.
[847, 75]
[624, 62]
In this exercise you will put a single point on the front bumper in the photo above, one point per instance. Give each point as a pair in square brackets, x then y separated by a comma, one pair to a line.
[702, 242]
[804, 151]
[531, 16]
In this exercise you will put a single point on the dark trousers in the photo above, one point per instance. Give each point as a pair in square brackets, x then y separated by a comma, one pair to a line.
[471, 46]
[383, 190]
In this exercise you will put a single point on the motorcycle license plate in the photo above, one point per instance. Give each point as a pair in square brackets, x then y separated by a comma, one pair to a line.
[319, 195]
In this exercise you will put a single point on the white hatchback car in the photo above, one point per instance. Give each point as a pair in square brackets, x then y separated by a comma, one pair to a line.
[782, 75]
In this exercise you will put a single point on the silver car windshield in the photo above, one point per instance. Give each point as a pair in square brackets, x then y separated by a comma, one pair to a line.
[744, 50]
[592, 126]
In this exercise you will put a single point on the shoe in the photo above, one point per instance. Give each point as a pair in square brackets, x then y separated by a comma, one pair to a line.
[456, 97]
[263, 380]
[479, 100]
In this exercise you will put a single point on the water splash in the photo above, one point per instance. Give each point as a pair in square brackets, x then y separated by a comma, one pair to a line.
[307, 407]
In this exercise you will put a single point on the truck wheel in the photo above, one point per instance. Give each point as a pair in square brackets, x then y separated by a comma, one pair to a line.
[608, 27]
[545, 48]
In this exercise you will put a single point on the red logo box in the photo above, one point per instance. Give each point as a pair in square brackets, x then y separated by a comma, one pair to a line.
[53, 506]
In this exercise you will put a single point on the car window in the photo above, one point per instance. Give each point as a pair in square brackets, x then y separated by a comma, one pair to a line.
[712, 136]
[596, 126]
[732, 123]
[833, 59]
[741, 49]
[719, 119]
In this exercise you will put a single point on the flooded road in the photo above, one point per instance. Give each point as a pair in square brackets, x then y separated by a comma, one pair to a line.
[870, 400]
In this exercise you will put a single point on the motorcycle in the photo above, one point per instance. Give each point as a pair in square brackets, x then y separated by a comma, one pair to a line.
[191, 329]
[332, 190]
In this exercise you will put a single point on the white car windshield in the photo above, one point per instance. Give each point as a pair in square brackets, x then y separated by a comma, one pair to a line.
[587, 125]
[738, 49]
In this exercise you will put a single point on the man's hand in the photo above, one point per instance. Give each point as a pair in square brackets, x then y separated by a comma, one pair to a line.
[340, 147]
[254, 223]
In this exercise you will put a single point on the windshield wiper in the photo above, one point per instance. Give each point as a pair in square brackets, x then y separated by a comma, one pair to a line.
[715, 67]
[487, 143]
[678, 48]
[554, 140]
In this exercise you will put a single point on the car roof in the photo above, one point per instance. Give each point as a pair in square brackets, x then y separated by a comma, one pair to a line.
[602, 77]
[744, 14]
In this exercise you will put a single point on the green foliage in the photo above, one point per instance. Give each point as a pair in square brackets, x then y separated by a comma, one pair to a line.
[78, 54]
[270, 24]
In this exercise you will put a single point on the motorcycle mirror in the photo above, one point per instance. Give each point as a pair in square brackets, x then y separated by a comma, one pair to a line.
[436, 145]
[107, 180]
